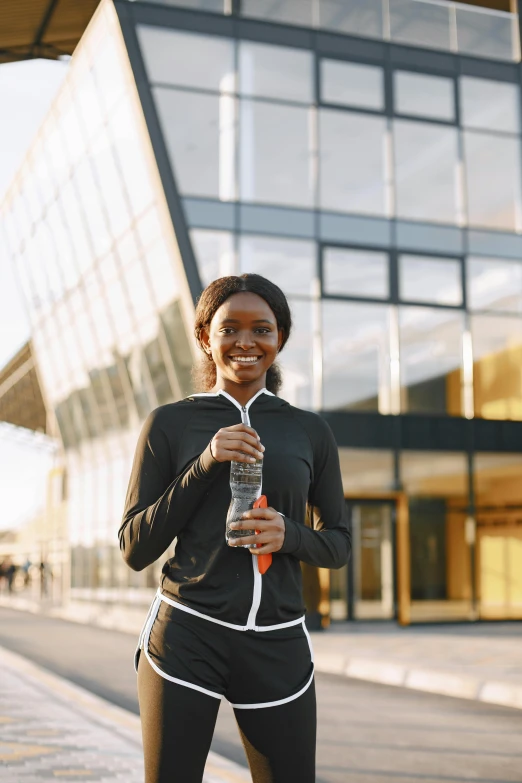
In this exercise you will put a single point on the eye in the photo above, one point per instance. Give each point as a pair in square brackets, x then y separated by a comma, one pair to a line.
[226, 330]
[263, 330]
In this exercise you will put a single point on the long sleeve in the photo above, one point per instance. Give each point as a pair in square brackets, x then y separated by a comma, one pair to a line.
[328, 544]
[156, 507]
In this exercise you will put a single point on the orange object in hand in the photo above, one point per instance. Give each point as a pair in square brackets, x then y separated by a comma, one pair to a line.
[263, 561]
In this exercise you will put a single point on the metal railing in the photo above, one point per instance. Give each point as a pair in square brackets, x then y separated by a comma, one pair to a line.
[434, 24]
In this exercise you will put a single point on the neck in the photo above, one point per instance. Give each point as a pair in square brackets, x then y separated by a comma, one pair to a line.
[242, 392]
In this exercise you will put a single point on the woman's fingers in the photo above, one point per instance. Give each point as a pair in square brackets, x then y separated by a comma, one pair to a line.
[240, 443]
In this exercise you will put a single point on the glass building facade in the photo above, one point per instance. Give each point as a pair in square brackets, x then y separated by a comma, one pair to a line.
[365, 156]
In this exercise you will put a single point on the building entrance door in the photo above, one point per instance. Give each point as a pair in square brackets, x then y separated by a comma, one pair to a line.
[365, 589]
[372, 593]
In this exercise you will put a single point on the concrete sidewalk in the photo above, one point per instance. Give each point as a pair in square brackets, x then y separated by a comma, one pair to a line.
[53, 730]
[482, 661]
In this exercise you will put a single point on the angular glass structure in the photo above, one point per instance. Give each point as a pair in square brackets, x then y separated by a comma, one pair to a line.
[365, 156]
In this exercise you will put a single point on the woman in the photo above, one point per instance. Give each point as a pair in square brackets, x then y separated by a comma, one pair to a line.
[217, 627]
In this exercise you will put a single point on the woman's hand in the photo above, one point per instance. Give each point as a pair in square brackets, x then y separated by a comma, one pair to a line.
[271, 526]
[239, 443]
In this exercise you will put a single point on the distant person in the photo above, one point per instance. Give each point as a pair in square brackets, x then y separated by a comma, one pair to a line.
[218, 627]
[10, 575]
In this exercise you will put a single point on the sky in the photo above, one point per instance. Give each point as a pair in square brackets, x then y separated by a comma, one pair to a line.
[26, 93]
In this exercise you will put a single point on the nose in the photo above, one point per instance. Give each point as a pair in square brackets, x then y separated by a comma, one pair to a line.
[245, 340]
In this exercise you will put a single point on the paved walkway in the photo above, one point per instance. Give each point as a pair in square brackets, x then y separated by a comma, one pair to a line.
[53, 730]
[482, 661]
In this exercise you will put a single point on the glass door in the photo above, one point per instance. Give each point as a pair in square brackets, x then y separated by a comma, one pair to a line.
[365, 589]
[373, 561]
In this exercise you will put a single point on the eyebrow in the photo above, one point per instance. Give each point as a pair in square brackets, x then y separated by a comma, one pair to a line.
[236, 321]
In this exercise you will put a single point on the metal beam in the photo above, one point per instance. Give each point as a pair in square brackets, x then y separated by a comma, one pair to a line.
[44, 24]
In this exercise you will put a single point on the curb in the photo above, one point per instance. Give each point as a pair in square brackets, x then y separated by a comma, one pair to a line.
[444, 683]
[218, 769]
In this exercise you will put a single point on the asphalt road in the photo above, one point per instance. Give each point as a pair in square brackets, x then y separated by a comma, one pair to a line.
[367, 733]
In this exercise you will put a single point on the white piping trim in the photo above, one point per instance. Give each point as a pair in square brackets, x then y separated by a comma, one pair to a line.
[259, 628]
[263, 705]
[256, 596]
[181, 682]
[153, 613]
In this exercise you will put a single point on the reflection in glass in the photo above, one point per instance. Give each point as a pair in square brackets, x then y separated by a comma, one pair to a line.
[437, 488]
[366, 470]
[497, 354]
[201, 147]
[356, 356]
[420, 24]
[487, 34]
[493, 180]
[494, 284]
[426, 171]
[275, 152]
[431, 359]
[298, 12]
[498, 500]
[214, 251]
[489, 105]
[355, 273]
[296, 358]
[359, 17]
[352, 162]
[352, 84]
[185, 59]
[289, 263]
[436, 280]
[424, 95]
[275, 72]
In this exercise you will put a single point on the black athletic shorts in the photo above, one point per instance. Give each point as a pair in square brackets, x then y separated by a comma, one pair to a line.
[251, 669]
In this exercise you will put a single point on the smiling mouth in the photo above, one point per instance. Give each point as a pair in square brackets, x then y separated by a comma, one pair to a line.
[245, 359]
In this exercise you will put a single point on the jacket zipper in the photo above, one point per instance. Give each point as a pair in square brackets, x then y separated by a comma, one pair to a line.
[258, 579]
[258, 583]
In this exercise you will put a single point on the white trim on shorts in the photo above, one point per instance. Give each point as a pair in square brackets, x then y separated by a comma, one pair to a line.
[143, 645]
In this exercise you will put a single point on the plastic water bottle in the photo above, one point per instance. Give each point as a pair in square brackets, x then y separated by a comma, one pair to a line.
[245, 483]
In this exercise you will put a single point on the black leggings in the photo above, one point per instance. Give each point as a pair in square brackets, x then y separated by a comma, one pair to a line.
[178, 725]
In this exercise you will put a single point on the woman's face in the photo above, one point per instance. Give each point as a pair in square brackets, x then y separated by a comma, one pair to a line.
[243, 339]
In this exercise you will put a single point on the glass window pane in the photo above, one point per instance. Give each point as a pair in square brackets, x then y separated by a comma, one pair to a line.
[426, 171]
[352, 84]
[298, 12]
[489, 104]
[201, 147]
[424, 95]
[290, 264]
[420, 24]
[494, 284]
[366, 470]
[187, 59]
[361, 17]
[436, 280]
[352, 162]
[296, 358]
[275, 72]
[214, 251]
[492, 35]
[355, 273]
[437, 487]
[356, 356]
[497, 354]
[492, 180]
[276, 160]
[430, 360]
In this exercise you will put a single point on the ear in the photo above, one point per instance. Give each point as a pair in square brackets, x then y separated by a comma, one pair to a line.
[205, 341]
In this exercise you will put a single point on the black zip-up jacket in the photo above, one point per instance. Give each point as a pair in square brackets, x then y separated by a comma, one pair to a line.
[178, 490]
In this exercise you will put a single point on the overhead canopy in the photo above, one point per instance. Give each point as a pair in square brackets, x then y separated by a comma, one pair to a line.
[42, 28]
[21, 401]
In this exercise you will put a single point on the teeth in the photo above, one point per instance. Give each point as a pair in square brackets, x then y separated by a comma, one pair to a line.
[245, 359]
